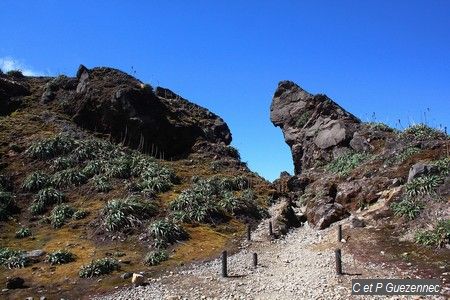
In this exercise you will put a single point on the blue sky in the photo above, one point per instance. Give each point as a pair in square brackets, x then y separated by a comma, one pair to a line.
[390, 59]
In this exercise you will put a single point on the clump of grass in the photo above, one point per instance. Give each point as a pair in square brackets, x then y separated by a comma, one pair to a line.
[423, 185]
[13, 259]
[380, 126]
[156, 257]
[36, 181]
[7, 205]
[68, 177]
[166, 232]
[60, 214]
[94, 167]
[101, 184]
[125, 213]
[99, 267]
[345, 163]
[80, 214]
[437, 237]
[62, 163]
[51, 147]
[407, 207]
[404, 155]
[423, 132]
[44, 199]
[119, 167]
[23, 233]
[443, 166]
[60, 257]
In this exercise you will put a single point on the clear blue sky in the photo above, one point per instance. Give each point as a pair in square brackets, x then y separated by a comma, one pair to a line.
[391, 58]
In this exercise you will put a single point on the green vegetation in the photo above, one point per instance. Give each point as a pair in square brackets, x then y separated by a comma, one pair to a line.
[62, 163]
[345, 163]
[407, 207]
[156, 257]
[101, 184]
[404, 155]
[437, 237]
[423, 132]
[379, 126]
[7, 205]
[68, 177]
[80, 214]
[12, 259]
[36, 181]
[211, 200]
[51, 147]
[60, 214]
[23, 233]
[423, 185]
[125, 213]
[45, 198]
[60, 257]
[166, 232]
[99, 267]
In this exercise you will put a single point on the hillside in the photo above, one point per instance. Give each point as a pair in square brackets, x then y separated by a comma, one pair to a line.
[103, 167]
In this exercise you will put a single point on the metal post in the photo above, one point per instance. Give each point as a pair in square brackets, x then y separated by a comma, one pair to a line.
[224, 264]
[255, 260]
[249, 237]
[270, 228]
[339, 233]
[337, 253]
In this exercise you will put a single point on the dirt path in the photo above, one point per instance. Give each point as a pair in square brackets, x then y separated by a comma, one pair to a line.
[299, 266]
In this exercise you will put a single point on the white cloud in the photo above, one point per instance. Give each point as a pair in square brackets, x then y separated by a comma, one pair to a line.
[8, 63]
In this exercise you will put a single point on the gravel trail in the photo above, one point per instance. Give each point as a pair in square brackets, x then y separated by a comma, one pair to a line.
[299, 266]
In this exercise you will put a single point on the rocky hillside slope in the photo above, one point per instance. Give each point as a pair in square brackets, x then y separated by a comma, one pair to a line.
[100, 173]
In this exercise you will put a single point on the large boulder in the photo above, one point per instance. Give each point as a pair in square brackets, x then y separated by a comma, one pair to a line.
[115, 103]
[284, 217]
[313, 125]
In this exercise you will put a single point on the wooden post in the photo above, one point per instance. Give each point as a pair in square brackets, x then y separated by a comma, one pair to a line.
[339, 233]
[224, 264]
[255, 260]
[337, 253]
[249, 236]
[270, 228]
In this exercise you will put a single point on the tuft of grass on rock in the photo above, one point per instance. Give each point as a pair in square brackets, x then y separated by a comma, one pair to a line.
[437, 237]
[423, 132]
[99, 267]
[344, 164]
[423, 185]
[407, 207]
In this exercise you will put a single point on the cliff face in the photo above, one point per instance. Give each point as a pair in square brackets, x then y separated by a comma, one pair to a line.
[112, 102]
[314, 126]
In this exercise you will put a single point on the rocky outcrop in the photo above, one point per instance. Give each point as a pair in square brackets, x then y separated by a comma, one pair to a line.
[313, 125]
[113, 102]
[11, 91]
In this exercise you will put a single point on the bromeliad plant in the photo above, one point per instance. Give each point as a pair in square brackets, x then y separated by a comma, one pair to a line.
[166, 232]
[125, 213]
[99, 267]
[51, 147]
[68, 177]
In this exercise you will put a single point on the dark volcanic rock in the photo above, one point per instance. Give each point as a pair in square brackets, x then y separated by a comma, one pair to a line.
[10, 92]
[313, 125]
[113, 102]
[15, 283]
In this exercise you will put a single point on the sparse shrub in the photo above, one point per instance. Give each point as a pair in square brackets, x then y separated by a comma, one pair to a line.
[51, 147]
[60, 257]
[68, 177]
[124, 213]
[424, 132]
[7, 205]
[422, 185]
[80, 214]
[404, 155]
[99, 267]
[44, 199]
[23, 232]
[345, 163]
[13, 259]
[379, 126]
[156, 257]
[60, 214]
[62, 163]
[101, 184]
[166, 231]
[407, 207]
[36, 181]
[438, 237]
